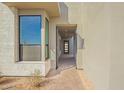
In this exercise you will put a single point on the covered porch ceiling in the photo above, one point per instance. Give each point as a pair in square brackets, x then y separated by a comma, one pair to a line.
[52, 8]
[67, 30]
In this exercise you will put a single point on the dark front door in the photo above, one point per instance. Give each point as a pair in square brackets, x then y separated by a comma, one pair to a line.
[66, 46]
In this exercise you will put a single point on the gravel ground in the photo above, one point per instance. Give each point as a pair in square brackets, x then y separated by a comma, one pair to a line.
[65, 80]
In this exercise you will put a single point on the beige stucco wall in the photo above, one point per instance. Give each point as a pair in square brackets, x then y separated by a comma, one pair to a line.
[117, 46]
[102, 55]
[74, 13]
[58, 46]
[101, 27]
[71, 47]
[53, 23]
[8, 44]
[96, 52]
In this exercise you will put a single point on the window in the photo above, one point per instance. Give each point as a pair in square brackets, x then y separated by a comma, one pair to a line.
[30, 37]
[46, 39]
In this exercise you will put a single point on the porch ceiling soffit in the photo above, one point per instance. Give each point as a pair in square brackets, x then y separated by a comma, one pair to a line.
[52, 8]
[67, 31]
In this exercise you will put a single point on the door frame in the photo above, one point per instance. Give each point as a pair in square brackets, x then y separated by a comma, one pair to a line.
[56, 48]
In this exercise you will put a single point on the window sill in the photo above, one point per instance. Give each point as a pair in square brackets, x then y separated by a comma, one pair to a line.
[30, 62]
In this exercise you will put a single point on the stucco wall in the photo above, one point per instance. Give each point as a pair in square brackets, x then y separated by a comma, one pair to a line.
[117, 46]
[8, 51]
[71, 47]
[102, 54]
[96, 52]
[74, 17]
[58, 46]
[101, 27]
[53, 23]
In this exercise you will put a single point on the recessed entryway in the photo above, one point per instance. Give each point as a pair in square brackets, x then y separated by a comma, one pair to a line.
[66, 46]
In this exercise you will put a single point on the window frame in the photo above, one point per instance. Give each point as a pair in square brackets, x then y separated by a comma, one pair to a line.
[46, 19]
[41, 22]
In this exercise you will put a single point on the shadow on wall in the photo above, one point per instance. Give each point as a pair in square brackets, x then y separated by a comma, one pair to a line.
[80, 42]
[9, 9]
[0, 74]
[64, 10]
[52, 54]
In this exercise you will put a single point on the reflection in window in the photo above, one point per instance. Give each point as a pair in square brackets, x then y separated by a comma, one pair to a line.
[30, 30]
[30, 38]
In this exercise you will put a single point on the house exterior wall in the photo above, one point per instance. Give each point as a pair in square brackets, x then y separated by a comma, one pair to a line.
[58, 45]
[100, 25]
[70, 18]
[71, 47]
[8, 45]
[96, 52]
[74, 13]
[53, 22]
[117, 46]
